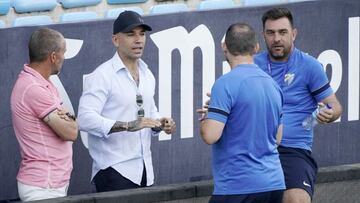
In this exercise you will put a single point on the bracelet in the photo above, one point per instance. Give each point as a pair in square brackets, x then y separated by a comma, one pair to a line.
[157, 129]
[71, 116]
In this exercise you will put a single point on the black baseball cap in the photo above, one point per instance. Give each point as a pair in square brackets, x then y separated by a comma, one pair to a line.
[128, 20]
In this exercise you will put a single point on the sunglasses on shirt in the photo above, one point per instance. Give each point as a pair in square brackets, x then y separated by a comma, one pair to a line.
[141, 112]
[140, 102]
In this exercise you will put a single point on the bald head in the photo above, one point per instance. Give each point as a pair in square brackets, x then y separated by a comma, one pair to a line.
[241, 39]
[43, 42]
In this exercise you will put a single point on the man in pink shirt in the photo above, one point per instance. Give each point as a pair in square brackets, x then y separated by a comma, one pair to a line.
[44, 129]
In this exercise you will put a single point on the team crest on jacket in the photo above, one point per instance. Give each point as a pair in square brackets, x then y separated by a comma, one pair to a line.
[289, 78]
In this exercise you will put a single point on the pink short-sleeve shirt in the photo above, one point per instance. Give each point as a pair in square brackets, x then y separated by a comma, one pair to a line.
[46, 159]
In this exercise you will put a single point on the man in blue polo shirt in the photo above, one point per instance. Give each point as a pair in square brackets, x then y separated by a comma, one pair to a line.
[242, 124]
[304, 85]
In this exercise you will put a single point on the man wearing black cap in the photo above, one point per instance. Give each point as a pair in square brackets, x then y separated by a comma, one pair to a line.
[118, 111]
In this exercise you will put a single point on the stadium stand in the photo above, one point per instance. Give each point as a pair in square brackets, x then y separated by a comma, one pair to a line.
[32, 20]
[168, 8]
[215, 4]
[78, 16]
[4, 7]
[114, 13]
[24, 6]
[125, 1]
[293, 1]
[12, 9]
[78, 3]
[2, 24]
[260, 2]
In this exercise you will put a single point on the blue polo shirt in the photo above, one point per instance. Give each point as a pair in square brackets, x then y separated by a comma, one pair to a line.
[245, 159]
[304, 83]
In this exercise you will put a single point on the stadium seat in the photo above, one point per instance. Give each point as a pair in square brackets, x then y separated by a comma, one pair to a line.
[78, 3]
[32, 20]
[78, 16]
[24, 6]
[114, 13]
[4, 7]
[125, 1]
[215, 4]
[260, 2]
[2, 24]
[292, 1]
[169, 8]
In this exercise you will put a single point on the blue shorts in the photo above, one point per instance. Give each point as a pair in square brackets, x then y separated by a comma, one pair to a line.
[299, 168]
[261, 197]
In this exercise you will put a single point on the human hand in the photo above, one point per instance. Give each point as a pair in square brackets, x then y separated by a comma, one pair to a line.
[63, 113]
[168, 125]
[325, 114]
[204, 110]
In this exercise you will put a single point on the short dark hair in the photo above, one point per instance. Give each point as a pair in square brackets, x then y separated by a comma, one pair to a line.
[277, 13]
[42, 42]
[240, 39]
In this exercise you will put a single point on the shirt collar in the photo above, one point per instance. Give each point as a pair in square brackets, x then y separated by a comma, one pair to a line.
[118, 64]
[292, 55]
[27, 69]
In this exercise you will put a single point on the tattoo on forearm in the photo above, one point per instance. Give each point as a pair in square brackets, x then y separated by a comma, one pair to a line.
[134, 125]
[119, 126]
[131, 126]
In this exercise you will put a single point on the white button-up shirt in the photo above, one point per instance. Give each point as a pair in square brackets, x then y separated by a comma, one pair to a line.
[109, 95]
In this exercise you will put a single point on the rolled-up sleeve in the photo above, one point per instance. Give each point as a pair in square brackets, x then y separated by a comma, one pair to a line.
[91, 104]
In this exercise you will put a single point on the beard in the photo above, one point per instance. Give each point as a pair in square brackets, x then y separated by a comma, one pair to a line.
[279, 55]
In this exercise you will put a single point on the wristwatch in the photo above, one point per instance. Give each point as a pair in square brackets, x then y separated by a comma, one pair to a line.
[156, 129]
[71, 116]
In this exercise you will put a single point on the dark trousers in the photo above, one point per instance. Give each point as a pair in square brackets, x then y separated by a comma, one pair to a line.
[109, 180]
[262, 197]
